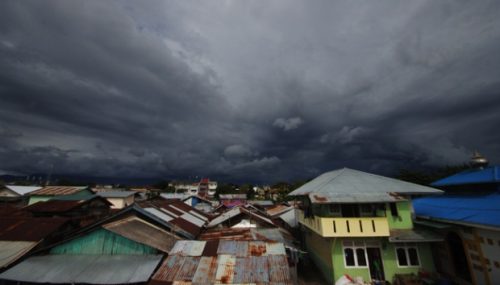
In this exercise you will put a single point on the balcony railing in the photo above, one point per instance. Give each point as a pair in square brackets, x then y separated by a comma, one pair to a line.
[347, 227]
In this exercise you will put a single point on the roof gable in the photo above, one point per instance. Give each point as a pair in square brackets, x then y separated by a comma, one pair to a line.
[348, 185]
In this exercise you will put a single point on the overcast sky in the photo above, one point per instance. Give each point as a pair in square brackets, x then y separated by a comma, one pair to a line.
[246, 90]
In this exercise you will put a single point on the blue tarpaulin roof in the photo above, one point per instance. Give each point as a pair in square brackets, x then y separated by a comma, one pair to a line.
[475, 209]
[489, 174]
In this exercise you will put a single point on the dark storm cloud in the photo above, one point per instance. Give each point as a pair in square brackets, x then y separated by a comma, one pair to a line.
[246, 91]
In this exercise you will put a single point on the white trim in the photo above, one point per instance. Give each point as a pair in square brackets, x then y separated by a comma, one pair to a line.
[405, 247]
[355, 255]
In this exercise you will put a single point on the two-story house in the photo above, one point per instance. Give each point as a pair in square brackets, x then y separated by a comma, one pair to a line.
[361, 224]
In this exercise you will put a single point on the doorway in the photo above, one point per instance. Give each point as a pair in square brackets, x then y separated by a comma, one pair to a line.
[375, 263]
[459, 256]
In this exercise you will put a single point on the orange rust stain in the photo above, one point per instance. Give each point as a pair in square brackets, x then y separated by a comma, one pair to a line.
[257, 250]
[319, 198]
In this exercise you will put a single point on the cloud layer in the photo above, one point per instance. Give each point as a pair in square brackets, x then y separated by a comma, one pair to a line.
[234, 90]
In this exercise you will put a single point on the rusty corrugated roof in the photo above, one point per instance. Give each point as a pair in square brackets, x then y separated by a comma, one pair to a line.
[53, 206]
[29, 229]
[58, 206]
[58, 190]
[278, 210]
[180, 216]
[236, 263]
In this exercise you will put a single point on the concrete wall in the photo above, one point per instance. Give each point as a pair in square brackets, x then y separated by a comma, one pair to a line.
[490, 246]
[320, 251]
[120, 203]
[404, 219]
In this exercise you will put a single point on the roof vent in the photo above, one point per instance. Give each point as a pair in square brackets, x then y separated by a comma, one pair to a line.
[478, 161]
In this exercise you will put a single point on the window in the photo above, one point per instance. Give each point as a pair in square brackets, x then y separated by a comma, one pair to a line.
[394, 210]
[407, 255]
[355, 254]
[350, 210]
[334, 209]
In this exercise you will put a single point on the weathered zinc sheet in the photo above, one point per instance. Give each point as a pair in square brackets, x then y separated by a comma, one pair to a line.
[241, 262]
[11, 251]
[143, 232]
[159, 214]
[188, 248]
[90, 269]
[207, 268]
[348, 185]
[236, 248]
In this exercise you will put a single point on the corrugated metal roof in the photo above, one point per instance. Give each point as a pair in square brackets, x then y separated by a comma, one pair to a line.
[414, 235]
[489, 174]
[193, 219]
[58, 206]
[236, 263]
[90, 269]
[194, 213]
[22, 190]
[237, 248]
[116, 194]
[353, 186]
[171, 214]
[159, 214]
[141, 231]
[29, 229]
[479, 209]
[225, 269]
[235, 212]
[11, 251]
[58, 190]
[188, 248]
[207, 268]
[278, 210]
[275, 249]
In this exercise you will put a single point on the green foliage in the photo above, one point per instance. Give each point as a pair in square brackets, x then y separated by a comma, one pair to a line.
[162, 185]
[227, 188]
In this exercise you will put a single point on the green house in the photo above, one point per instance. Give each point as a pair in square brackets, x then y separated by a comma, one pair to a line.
[124, 248]
[361, 224]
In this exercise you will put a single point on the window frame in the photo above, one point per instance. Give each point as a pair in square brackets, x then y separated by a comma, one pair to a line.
[354, 247]
[406, 247]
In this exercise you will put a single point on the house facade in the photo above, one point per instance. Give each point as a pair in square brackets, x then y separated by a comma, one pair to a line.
[361, 224]
[468, 216]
